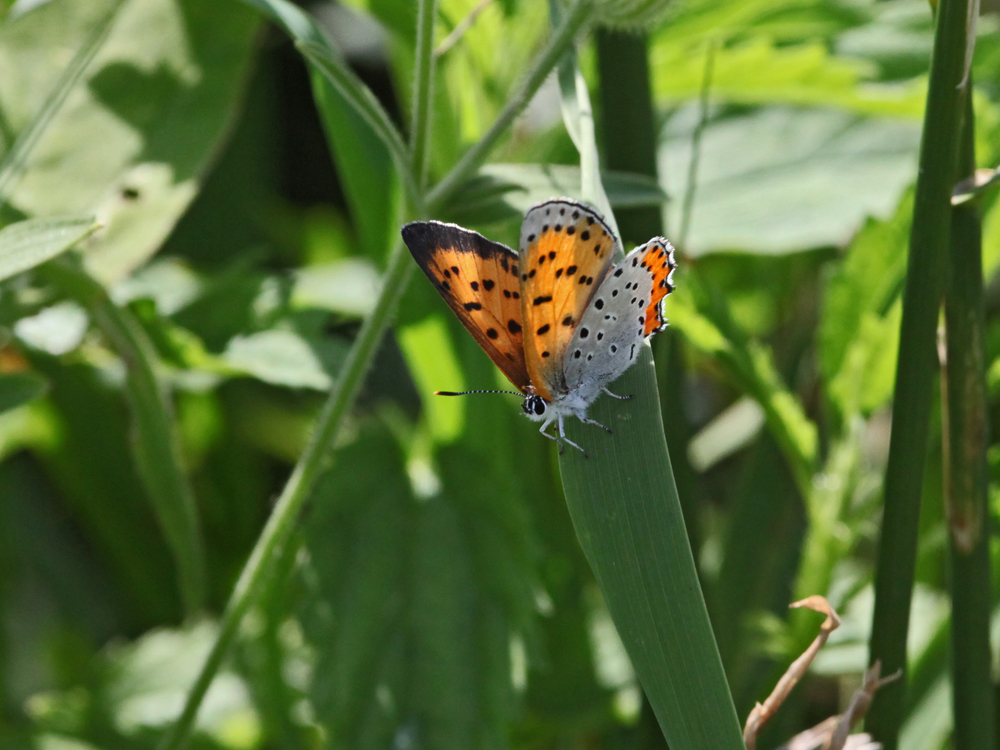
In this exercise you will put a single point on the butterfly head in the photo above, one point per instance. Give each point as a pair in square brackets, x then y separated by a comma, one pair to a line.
[535, 407]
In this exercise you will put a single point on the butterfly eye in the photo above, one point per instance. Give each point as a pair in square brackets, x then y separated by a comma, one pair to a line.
[539, 407]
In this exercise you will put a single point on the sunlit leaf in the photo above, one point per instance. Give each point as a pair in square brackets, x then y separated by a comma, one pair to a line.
[25, 244]
[279, 357]
[781, 179]
[131, 143]
[758, 71]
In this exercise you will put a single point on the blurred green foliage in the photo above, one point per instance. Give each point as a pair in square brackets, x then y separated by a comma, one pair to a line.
[435, 594]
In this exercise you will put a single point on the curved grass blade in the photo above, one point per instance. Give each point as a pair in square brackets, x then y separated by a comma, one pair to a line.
[627, 514]
[628, 518]
[327, 61]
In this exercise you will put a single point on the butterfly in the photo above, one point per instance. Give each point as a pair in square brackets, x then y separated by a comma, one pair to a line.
[558, 318]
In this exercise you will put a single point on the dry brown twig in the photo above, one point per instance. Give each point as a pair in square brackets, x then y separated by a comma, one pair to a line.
[764, 711]
[833, 733]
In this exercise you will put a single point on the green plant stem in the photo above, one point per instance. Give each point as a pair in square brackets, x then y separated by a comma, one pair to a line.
[965, 407]
[15, 158]
[916, 366]
[283, 518]
[155, 442]
[423, 90]
[577, 15]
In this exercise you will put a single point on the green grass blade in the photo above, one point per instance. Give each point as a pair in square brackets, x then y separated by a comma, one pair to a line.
[627, 514]
[628, 518]
[155, 443]
[329, 63]
[917, 365]
[965, 408]
[14, 160]
[28, 243]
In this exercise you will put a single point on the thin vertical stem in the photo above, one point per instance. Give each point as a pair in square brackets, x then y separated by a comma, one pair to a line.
[423, 90]
[917, 365]
[964, 403]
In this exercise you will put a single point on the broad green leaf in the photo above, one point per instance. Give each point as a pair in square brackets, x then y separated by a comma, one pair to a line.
[25, 244]
[782, 179]
[785, 21]
[899, 38]
[758, 71]
[628, 520]
[17, 388]
[132, 140]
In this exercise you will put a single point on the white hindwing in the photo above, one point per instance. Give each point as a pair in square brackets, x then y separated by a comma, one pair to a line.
[608, 338]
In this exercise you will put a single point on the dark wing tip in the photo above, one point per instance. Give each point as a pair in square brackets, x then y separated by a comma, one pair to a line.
[423, 237]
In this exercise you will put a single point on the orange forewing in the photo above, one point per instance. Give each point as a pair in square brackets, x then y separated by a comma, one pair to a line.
[565, 252]
[659, 261]
[478, 279]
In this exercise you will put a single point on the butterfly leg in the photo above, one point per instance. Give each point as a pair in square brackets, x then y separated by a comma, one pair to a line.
[620, 398]
[552, 437]
[562, 434]
[583, 418]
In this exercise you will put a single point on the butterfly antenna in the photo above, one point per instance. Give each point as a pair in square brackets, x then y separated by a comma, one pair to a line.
[466, 393]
